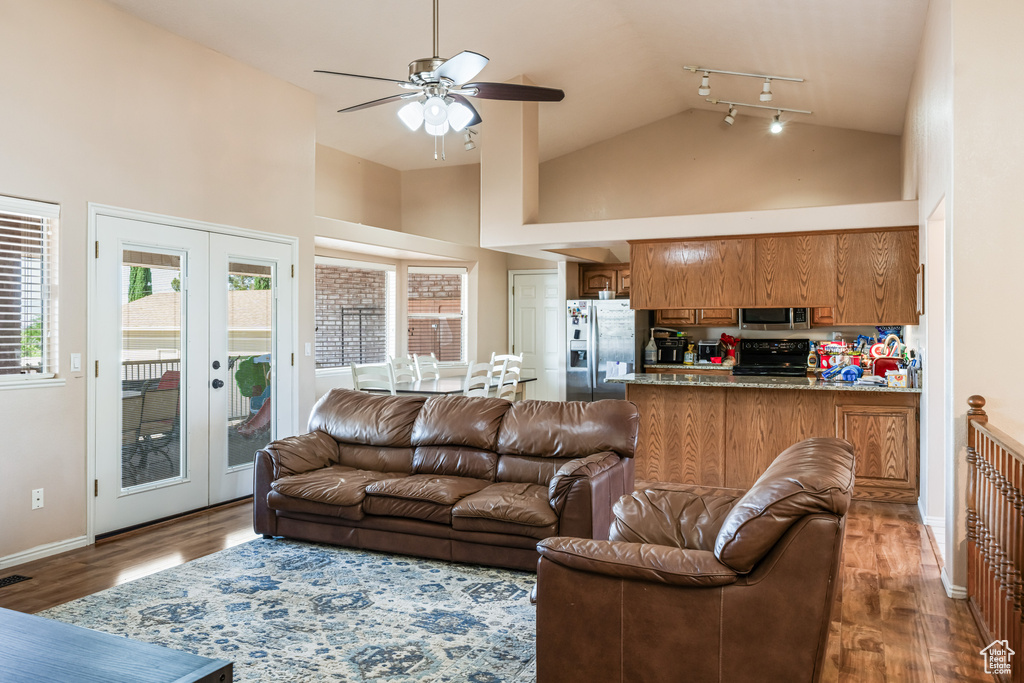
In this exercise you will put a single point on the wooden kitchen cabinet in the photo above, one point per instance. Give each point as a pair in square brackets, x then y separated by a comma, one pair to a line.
[675, 317]
[717, 317]
[597, 277]
[692, 273]
[884, 438]
[795, 270]
[876, 277]
[823, 316]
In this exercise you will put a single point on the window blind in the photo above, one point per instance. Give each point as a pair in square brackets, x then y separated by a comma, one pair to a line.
[28, 323]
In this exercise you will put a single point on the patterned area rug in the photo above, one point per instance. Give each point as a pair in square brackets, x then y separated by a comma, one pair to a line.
[290, 611]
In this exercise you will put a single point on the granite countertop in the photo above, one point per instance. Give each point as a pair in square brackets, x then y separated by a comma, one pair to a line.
[752, 382]
[696, 367]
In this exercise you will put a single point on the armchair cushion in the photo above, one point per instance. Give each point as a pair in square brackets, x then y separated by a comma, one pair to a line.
[638, 561]
[573, 471]
[298, 454]
[507, 508]
[812, 476]
[335, 485]
[677, 518]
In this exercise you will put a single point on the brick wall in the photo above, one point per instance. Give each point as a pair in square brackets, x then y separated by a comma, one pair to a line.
[435, 293]
[351, 316]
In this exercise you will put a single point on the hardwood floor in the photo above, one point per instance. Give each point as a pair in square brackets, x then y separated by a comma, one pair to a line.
[893, 621]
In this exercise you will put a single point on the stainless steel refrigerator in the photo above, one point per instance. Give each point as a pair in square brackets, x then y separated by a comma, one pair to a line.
[601, 343]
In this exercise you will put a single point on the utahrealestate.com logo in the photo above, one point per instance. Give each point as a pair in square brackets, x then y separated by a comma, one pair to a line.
[997, 657]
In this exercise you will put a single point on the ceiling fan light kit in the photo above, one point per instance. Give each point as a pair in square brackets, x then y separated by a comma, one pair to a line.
[440, 88]
[765, 95]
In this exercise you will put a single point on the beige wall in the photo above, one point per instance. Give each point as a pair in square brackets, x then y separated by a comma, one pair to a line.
[101, 107]
[443, 203]
[694, 163]
[352, 189]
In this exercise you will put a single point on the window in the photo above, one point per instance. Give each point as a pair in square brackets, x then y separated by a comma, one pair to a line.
[355, 312]
[437, 304]
[28, 320]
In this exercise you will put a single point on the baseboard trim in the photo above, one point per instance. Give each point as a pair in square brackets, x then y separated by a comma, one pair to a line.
[953, 591]
[45, 550]
[937, 527]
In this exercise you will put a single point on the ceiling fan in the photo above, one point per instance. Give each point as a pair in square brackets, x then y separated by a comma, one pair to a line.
[438, 89]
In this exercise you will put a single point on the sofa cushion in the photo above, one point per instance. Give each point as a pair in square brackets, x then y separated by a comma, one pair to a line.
[679, 518]
[813, 476]
[375, 458]
[572, 429]
[528, 469]
[369, 419]
[285, 504]
[507, 508]
[459, 421]
[420, 496]
[455, 461]
[336, 485]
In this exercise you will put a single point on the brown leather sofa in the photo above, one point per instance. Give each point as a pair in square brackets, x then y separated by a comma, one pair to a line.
[702, 584]
[476, 480]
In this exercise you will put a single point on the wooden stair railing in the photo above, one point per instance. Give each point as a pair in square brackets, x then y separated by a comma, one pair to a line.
[995, 533]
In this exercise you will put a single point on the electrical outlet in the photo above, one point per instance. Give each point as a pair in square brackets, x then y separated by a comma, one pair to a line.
[37, 499]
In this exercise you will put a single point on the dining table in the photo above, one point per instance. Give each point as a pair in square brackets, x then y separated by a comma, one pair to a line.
[449, 386]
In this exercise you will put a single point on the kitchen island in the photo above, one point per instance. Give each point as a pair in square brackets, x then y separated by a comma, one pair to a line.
[716, 430]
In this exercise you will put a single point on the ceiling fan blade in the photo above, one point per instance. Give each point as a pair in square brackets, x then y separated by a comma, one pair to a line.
[462, 67]
[371, 78]
[375, 103]
[464, 102]
[513, 91]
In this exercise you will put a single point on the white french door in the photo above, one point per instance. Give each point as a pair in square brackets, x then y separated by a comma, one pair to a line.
[193, 369]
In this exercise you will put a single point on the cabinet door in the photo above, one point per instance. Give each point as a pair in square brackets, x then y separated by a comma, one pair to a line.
[622, 282]
[876, 278]
[717, 317]
[675, 316]
[823, 316]
[885, 442]
[797, 270]
[691, 273]
[594, 279]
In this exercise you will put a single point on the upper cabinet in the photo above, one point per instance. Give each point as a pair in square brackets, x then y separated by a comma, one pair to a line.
[867, 277]
[597, 277]
[796, 270]
[876, 277]
[693, 273]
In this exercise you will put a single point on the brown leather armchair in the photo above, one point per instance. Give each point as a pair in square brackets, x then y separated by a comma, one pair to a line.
[702, 584]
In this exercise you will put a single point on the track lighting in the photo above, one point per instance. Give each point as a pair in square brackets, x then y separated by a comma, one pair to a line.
[730, 118]
[705, 85]
[776, 126]
[766, 90]
[468, 140]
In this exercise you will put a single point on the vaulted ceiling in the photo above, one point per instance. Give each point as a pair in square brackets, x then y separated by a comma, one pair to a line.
[618, 61]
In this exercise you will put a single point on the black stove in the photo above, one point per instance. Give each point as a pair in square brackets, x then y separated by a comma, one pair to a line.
[773, 357]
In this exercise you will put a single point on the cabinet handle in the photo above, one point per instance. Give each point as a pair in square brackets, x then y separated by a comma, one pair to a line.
[920, 289]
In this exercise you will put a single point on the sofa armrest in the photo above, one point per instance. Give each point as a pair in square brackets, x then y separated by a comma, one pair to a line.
[304, 453]
[572, 472]
[638, 561]
[264, 520]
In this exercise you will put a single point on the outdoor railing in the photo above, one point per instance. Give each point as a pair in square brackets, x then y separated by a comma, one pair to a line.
[135, 373]
[995, 534]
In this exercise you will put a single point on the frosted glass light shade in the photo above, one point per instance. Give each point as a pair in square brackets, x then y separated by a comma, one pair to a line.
[436, 129]
[459, 115]
[435, 111]
[411, 115]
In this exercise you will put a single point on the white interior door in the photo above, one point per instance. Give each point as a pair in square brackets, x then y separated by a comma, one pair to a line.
[535, 324]
[191, 335]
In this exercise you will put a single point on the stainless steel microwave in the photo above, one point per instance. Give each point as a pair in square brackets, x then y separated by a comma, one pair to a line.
[775, 319]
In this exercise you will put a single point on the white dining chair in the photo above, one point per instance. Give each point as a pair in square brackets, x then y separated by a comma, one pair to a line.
[378, 376]
[478, 380]
[509, 383]
[426, 366]
[500, 364]
[403, 369]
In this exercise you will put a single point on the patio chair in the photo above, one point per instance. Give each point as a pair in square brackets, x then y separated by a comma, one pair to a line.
[426, 366]
[158, 428]
[478, 380]
[378, 376]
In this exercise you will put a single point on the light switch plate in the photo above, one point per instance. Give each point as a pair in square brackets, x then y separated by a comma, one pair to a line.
[309, 349]
[76, 362]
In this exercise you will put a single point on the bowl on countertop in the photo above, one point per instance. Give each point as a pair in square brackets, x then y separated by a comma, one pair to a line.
[606, 294]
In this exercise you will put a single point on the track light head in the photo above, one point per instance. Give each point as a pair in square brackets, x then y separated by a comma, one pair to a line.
[776, 126]
[766, 90]
[468, 140]
[730, 118]
[705, 85]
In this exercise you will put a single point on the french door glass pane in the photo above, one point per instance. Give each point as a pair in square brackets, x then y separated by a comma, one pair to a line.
[250, 289]
[151, 368]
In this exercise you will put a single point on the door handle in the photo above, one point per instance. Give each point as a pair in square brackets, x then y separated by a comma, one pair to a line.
[218, 383]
